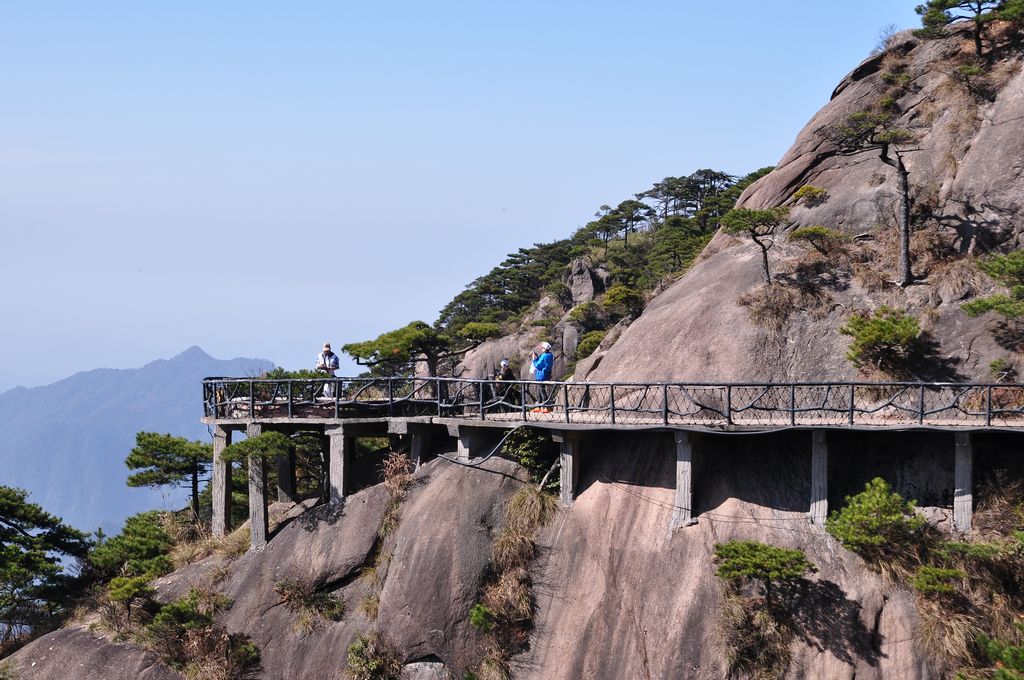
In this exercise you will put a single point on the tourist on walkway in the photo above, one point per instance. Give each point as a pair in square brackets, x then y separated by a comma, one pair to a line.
[505, 393]
[327, 362]
[541, 364]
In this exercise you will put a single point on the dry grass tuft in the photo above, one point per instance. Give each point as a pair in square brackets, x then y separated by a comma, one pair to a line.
[529, 509]
[370, 606]
[769, 306]
[947, 636]
[511, 598]
[1000, 509]
[512, 549]
[397, 470]
[494, 667]
[236, 543]
[756, 642]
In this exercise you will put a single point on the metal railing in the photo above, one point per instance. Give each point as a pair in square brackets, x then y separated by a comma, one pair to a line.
[722, 405]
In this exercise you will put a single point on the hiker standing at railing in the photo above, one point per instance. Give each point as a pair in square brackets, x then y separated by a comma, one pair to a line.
[504, 393]
[541, 369]
[327, 362]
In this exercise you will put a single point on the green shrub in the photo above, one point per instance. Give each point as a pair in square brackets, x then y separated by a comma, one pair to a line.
[141, 549]
[588, 343]
[810, 195]
[877, 523]
[896, 79]
[589, 316]
[7, 671]
[777, 569]
[1006, 658]
[889, 340]
[183, 634]
[621, 300]
[482, 617]
[936, 580]
[535, 451]
[372, 657]
[1009, 271]
[822, 239]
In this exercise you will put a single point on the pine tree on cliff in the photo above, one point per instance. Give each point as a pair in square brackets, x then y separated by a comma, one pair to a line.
[397, 351]
[935, 14]
[759, 226]
[877, 131]
[166, 460]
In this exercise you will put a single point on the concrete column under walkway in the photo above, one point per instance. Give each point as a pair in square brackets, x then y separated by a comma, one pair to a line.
[819, 477]
[570, 443]
[258, 519]
[963, 482]
[682, 511]
[340, 448]
[221, 483]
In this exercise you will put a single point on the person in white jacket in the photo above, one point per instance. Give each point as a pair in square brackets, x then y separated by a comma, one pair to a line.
[327, 362]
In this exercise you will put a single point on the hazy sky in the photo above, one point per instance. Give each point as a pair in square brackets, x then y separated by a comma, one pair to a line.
[256, 178]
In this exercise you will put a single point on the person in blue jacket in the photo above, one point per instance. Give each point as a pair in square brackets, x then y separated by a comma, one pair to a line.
[542, 372]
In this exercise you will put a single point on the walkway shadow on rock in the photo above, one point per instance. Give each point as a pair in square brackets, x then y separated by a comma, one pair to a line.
[826, 619]
[927, 365]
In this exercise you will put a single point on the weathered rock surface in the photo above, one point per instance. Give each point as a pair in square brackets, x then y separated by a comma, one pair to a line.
[966, 182]
[618, 597]
[74, 652]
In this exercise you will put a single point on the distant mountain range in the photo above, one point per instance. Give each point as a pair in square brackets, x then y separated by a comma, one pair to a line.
[66, 442]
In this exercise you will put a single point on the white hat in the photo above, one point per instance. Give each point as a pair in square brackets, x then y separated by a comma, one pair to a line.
[327, 345]
[504, 362]
[546, 345]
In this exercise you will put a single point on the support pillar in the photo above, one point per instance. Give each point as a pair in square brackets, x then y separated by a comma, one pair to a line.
[340, 449]
[819, 477]
[474, 441]
[682, 512]
[963, 481]
[286, 478]
[569, 473]
[419, 448]
[221, 523]
[258, 519]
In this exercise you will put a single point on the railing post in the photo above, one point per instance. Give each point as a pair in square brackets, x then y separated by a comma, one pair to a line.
[252, 401]
[522, 399]
[289, 398]
[480, 393]
[437, 392]
[664, 404]
[728, 404]
[988, 406]
[792, 404]
[565, 399]
[391, 397]
[853, 393]
[611, 392]
[920, 405]
[337, 397]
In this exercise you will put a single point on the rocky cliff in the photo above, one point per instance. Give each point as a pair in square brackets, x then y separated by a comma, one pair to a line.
[967, 196]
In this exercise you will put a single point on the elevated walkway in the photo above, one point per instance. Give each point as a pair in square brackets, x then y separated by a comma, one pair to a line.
[477, 413]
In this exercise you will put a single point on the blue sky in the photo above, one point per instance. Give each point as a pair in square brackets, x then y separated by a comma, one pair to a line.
[256, 177]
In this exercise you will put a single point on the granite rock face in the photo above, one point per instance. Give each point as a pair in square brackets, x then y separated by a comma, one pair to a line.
[967, 190]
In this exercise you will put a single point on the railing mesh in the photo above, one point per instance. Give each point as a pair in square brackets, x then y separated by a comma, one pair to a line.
[735, 406]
